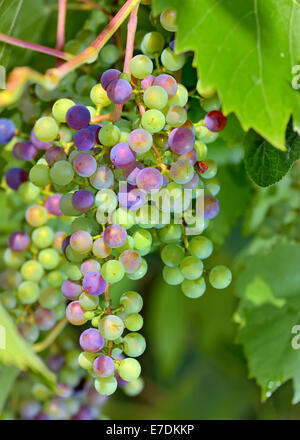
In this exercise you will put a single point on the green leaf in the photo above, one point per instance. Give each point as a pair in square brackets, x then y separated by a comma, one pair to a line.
[269, 288]
[246, 49]
[14, 351]
[267, 165]
[8, 376]
[9, 13]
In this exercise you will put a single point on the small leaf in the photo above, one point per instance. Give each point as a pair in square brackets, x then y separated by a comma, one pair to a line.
[14, 351]
[267, 165]
[8, 376]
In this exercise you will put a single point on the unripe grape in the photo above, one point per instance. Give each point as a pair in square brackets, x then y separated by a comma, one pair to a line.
[129, 369]
[111, 327]
[220, 277]
[46, 129]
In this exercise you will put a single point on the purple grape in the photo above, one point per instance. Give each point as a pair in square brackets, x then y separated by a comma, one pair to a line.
[108, 76]
[188, 124]
[131, 260]
[211, 207]
[122, 156]
[149, 179]
[172, 45]
[28, 151]
[44, 318]
[30, 409]
[42, 416]
[65, 391]
[181, 140]
[131, 172]
[85, 165]
[75, 313]
[190, 157]
[115, 236]
[168, 83]
[71, 289]
[84, 413]
[95, 128]
[91, 340]
[84, 139]
[15, 177]
[78, 116]
[52, 205]
[193, 183]
[29, 331]
[121, 382]
[19, 241]
[83, 200]
[147, 82]
[16, 150]
[65, 243]
[40, 145]
[55, 362]
[89, 266]
[140, 140]
[104, 366]
[93, 283]
[119, 91]
[133, 199]
[95, 399]
[54, 154]
[7, 131]
[215, 121]
[102, 178]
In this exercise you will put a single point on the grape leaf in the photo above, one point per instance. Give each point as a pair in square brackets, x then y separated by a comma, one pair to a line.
[267, 165]
[8, 376]
[247, 50]
[269, 288]
[14, 351]
[9, 12]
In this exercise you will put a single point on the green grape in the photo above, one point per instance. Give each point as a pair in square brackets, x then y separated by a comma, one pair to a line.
[75, 47]
[201, 150]
[129, 369]
[181, 97]
[106, 385]
[84, 224]
[182, 171]
[86, 360]
[112, 271]
[49, 297]
[206, 92]
[176, 116]
[123, 217]
[172, 254]
[212, 186]
[99, 96]
[84, 84]
[62, 173]
[155, 97]
[220, 277]
[8, 300]
[32, 270]
[43, 237]
[168, 20]
[134, 322]
[212, 169]
[142, 239]
[111, 327]
[152, 43]
[201, 247]
[134, 344]
[65, 134]
[49, 258]
[170, 233]
[60, 109]
[109, 135]
[13, 259]
[140, 273]
[172, 61]
[153, 120]
[191, 268]
[134, 387]
[28, 292]
[204, 134]
[106, 200]
[28, 192]
[88, 302]
[109, 54]
[132, 302]
[141, 66]
[36, 215]
[59, 311]
[66, 206]
[72, 272]
[40, 391]
[92, 110]
[39, 175]
[46, 129]
[210, 104]
[55, 278]
[193, 288]
[172, 275]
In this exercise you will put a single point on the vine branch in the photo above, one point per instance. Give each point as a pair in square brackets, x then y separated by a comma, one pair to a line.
[61, 24]
[41, 346]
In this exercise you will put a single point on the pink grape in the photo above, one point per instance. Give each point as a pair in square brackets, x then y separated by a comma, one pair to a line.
[168, 83]
[122, 156]
[131, 260]
[215, 121]
[89, 266]
[83, 200]
[93, 283]
[52, 204]
[149, 179]
[19, 241]
[85, 165]
[147, 82]
[211, 207]
[81, 242]
[71, 289]
[40, 145]
[119, 91]
[91, 340]
[104, 366]
[100, 248]
[54, 154]
[181, 140]
[102, 178]
[115, 236]
[44, 318]
[75, 313]
[140, 140]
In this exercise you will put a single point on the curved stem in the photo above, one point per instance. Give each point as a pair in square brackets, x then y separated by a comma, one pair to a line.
[41, 346]
[61, 22]
[36, 47]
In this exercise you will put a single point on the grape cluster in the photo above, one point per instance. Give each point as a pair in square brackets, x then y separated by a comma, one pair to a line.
[125, 186]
